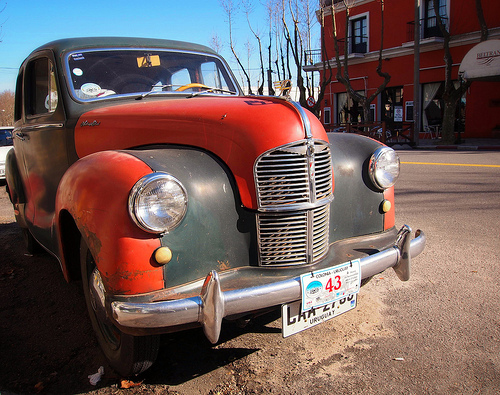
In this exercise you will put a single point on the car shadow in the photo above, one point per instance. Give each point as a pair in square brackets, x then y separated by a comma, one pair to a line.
[188, 354]
[46, 339]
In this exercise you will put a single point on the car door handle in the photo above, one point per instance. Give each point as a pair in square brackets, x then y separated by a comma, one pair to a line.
[21, 136]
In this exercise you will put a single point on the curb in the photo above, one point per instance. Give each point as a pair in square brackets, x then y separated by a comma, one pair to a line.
[460, 147]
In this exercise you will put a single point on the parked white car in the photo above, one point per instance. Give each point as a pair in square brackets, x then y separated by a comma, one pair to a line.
[5, 146]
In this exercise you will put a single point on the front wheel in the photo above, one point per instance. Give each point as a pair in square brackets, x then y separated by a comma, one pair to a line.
[127, 354]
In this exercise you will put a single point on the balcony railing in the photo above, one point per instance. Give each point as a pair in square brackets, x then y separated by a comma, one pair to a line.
[314, 56]
[402, 134]
[428, 28]
[328, 3]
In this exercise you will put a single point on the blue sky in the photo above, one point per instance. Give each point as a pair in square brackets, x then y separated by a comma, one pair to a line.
[27, 24]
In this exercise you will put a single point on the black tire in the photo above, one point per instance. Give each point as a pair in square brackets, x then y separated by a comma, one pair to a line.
[128, 355]
[32, 246]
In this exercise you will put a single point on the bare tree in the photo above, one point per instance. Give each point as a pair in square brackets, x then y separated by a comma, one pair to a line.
[290, 23]
[327, 73]
[216, 43]
[248, 10]
[452, 93]
[229, 9]
[280, 44]
[298, 41]
[6, 108]
[1, 24]
[295, 44]
[482, 21]
[270, 13]
[306, 27]
[343, 66]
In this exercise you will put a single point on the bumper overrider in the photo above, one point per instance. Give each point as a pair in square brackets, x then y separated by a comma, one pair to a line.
[212, 304]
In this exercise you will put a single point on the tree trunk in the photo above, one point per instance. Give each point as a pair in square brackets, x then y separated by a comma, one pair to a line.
[343, 70]
[448, 124]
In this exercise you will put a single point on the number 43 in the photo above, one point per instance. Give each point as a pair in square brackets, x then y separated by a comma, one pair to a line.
[330, 286]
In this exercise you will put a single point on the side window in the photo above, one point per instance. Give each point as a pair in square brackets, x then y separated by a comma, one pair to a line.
[181, 78]
[18, 100]
[211, 75]
[40, 87]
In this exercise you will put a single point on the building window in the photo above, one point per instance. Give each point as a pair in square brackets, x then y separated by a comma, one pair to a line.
[431, 27]
[373, 114]
[359, 35]
[392, 107]
[327, 116]
[348, 111]
[409, 111]
[432, 104]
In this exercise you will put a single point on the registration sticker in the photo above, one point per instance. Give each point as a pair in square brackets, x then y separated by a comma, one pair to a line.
[293, 320]
[328, 285]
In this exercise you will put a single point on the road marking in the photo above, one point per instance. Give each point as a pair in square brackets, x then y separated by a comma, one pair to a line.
[448, 164]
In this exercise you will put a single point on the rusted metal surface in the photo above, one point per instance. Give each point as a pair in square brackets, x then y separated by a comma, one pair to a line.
[95, 192]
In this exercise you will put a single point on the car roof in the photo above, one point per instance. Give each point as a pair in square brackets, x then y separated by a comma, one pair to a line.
[74, 44]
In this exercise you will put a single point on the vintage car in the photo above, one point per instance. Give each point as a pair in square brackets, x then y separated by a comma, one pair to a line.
[5, 146]
[181, 202]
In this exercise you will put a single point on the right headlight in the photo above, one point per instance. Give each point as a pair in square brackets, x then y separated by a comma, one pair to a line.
[157, 203]
[384, 167]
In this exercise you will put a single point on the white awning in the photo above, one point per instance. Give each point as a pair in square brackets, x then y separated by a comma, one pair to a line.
[482, 62]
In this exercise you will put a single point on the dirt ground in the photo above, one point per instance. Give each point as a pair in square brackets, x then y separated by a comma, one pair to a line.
[47, 344]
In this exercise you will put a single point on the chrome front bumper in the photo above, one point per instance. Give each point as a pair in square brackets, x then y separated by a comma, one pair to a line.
[212, 305]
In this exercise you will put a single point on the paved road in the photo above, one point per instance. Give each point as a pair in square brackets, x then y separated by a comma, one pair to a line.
[439, 333]
[446, 320]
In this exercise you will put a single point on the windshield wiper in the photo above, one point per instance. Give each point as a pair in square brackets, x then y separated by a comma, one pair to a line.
[212, 90]
[142, 96]
[194, 94]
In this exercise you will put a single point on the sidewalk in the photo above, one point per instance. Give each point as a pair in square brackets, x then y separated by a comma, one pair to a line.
[466, 145]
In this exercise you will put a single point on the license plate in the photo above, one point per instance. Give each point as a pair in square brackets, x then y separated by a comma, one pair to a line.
[328, 285]
[294, 320]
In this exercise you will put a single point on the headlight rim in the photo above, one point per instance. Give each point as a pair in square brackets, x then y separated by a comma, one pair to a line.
[372, 167]
[135, 193]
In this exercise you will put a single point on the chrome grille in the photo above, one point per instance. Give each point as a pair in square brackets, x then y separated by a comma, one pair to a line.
[294, 175]
[320, 232]
[294, 189]
[285, 238]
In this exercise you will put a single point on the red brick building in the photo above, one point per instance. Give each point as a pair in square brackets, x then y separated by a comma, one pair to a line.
[480, 105]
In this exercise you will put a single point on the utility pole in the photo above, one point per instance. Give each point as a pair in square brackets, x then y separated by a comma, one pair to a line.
[416, 74]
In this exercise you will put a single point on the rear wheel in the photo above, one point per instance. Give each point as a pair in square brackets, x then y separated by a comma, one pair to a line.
[127, 354]
[32, 246]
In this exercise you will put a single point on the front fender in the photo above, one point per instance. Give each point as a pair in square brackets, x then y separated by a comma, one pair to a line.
[356, 209]
[216, 232]
[94, 191]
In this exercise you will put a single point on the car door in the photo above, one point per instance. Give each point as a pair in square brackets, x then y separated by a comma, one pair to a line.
[43, 141]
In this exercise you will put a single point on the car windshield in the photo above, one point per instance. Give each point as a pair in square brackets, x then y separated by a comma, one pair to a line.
[5, 137]
[98, 74]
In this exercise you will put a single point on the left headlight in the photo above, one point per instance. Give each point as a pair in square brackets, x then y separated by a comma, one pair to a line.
[384, 167]
[157, 203]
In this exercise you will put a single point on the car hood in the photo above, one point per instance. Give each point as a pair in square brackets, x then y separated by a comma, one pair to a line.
[236, 129]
